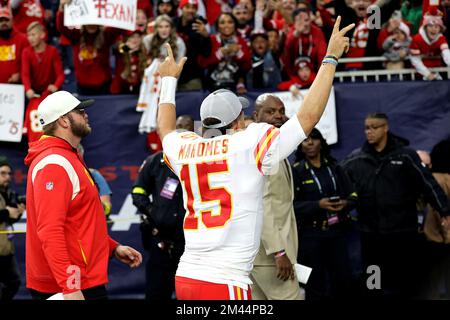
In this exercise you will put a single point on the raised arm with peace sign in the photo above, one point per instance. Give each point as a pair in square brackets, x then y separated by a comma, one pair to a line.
[317, 97]
[169, 67]
[339, 43]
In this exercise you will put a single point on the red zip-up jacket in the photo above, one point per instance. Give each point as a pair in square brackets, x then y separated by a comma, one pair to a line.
[67, 242]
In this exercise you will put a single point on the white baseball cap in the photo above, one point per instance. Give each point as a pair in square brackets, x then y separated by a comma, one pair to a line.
[222, 105]
[58, 104]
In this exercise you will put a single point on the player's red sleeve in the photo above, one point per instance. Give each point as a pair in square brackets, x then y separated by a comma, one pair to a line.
[112, 245]
[25, 69]
[52, 194]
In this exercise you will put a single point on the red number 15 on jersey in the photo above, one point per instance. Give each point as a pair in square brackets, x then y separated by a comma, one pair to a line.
[207, 194]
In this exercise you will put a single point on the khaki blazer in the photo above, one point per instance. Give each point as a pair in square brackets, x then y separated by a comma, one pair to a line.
[279, 226]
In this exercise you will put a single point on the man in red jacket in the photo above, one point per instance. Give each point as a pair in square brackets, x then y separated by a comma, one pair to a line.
[67, 243]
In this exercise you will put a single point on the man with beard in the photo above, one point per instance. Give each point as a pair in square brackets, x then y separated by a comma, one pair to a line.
[273, 273]
[12, 44]
[67, 243]
[244, 19]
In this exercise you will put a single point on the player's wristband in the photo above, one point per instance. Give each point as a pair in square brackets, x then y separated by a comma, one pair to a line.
[280, 254]
[329, 60]
[168, 89]
[330, 56]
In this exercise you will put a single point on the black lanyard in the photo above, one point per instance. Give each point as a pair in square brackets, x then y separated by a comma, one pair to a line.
[314, 176]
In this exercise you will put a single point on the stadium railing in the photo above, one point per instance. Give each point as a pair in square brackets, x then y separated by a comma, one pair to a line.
[382, 74]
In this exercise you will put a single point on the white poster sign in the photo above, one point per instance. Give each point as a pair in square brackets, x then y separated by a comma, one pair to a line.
[327, 124]
[113, 13]
[12, 105]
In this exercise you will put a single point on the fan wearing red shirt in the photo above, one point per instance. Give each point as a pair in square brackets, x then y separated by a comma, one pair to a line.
[230, 57]
[303, 79]
[429, 45]
[12, 44]
[91, 46]
[26, 12]
[306, 41]
[42, 74]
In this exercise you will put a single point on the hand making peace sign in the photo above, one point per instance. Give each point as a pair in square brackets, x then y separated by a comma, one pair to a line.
[170, 68]
[339, 43]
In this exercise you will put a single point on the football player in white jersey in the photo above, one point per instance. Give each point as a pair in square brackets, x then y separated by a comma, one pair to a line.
[222, 175]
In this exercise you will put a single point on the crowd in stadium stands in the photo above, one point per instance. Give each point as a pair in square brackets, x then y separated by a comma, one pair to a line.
[239, 45]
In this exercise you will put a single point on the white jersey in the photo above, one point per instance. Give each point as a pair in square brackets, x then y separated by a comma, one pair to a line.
[223, 180]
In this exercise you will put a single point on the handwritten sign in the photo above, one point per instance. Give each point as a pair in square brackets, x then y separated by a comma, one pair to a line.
[113, 13]
[12, 102]
[327, 124]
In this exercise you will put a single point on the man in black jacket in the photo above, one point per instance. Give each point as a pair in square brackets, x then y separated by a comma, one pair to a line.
[10, 212]
[389, 178]
[162, 220]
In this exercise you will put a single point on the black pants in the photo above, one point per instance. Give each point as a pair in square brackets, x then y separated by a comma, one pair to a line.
[327, 254]
[160, 270]
[94, 293]
[398, 255]
[9, 277]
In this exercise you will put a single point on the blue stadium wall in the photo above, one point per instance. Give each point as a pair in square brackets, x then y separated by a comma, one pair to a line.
[418, 111]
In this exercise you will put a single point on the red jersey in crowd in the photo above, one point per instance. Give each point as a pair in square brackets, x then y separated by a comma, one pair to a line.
[242, 58]
[66, 225]
[40, 69]
[296, 81]
[27, 12]
[91, 64]
[430, 51]
[312, 46]
[358, 44]
[11, 54]
[32, 128]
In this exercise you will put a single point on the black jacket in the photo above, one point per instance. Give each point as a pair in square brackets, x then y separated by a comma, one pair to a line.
[11, 200]
[166, 208]
[388, 186]
[307, 193]
[196, 45]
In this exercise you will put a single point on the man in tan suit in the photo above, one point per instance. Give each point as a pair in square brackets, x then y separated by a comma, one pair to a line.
[273, 274]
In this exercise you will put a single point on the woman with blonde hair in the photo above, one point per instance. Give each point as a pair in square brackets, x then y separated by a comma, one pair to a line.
[164, 32]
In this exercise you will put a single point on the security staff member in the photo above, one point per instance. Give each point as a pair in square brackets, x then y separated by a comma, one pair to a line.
[323, 198]
[389, 179]
[162, 220]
